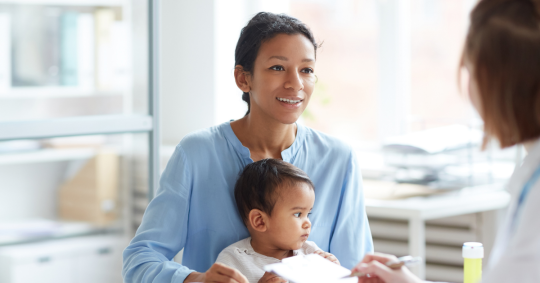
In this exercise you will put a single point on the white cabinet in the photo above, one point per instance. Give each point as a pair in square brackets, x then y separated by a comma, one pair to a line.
[101, 262]
[48, 269]
[77, 260]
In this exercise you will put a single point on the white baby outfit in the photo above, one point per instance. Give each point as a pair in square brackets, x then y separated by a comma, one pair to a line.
[241, 256]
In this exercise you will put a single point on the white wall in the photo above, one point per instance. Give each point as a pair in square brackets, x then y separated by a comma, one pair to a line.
[394, 67]
[197, 43]
[230, 17]
[187, 77]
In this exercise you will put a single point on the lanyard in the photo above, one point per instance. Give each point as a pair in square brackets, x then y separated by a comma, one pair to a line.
[524, 193]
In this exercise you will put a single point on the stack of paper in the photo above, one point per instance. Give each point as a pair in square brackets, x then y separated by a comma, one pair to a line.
[436, 140]
[310, 269]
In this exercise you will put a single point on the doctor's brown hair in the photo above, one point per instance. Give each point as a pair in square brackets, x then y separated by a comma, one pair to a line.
[503, 46]
[259, 184]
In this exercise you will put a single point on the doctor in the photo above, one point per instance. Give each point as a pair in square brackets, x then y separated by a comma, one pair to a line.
[502, 56]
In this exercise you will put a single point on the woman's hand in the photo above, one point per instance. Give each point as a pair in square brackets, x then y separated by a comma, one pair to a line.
[328, 256]
[271, 278]
[378, 272]
[218, 272]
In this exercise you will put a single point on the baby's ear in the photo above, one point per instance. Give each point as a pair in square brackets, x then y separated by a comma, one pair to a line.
[257, 220]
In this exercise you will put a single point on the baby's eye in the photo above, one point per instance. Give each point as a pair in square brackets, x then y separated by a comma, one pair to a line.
[298, 214]
[277, 68]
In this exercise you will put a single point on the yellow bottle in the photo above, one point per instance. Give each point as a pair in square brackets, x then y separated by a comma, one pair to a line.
[472, 265]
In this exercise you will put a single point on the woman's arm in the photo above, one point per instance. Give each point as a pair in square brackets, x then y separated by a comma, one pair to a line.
[163, 233]
[351, 236]
[163, 230]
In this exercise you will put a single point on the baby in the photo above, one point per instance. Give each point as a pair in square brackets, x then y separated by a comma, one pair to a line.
[274, 199]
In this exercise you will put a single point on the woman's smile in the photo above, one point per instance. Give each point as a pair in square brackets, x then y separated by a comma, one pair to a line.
[291, 102]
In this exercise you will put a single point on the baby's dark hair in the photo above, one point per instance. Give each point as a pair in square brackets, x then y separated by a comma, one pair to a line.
[257, 185]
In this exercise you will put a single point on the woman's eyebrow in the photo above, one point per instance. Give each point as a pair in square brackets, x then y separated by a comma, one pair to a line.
[283, 58]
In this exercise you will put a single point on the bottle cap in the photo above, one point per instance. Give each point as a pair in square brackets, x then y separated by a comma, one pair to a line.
[473, 250]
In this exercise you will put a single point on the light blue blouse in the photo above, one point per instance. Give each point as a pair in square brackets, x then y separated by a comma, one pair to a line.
[194, 208]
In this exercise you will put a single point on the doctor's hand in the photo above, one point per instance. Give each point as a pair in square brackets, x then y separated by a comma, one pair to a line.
[374, 265]
[218, 272]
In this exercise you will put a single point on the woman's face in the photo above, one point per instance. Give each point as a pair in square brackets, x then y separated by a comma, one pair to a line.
[283, 78]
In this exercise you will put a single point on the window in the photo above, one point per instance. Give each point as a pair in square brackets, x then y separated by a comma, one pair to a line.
[386, 67]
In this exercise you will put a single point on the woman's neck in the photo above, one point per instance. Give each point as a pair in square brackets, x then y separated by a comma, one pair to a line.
[265, 138]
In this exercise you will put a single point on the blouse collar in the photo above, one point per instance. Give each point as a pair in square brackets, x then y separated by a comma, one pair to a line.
[287, 155]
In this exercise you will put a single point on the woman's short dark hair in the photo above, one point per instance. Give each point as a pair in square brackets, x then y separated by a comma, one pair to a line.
[503, 46]
[257, 185]
[262, 27]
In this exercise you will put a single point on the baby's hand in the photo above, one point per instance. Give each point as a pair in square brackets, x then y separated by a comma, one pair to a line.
[271, 278]
[328, 256]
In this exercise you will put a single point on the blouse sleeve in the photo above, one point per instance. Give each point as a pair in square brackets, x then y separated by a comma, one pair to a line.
[351, 236]
[163, 231]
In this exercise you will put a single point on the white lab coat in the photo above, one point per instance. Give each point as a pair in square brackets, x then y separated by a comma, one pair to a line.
[516, 254]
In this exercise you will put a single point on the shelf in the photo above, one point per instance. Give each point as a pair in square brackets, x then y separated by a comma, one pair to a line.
[91, 3]
[464, 201]
[14, 233]
[75, 126]
[53, 92]
[47, 155]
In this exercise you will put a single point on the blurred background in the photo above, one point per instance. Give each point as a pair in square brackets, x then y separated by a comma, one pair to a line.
[80, 141]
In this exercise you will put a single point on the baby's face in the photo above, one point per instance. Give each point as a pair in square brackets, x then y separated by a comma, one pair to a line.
[289, 225]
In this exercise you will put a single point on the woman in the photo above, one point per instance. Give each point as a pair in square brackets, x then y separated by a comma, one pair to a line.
[502, 55]
[194, 208]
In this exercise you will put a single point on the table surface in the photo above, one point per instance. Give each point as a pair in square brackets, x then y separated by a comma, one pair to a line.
[464, 201]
